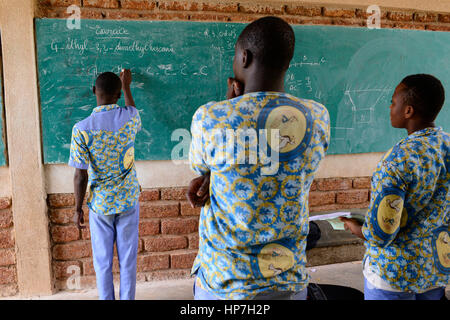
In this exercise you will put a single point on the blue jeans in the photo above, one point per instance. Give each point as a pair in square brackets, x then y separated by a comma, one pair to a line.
[122, 229]
[202, 294]
[371, 293]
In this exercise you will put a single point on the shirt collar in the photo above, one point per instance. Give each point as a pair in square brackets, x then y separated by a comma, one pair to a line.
[426, 131]
[106, 107]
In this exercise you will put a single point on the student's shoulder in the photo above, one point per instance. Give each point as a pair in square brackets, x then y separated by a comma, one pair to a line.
[313, 105]
[83, 125]
[207, 108]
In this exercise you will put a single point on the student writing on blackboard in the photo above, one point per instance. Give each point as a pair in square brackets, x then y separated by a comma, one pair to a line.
[104, 143]
[254, 227]
[406, 230]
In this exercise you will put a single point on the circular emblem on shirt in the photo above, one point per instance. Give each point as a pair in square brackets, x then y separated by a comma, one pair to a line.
[389, 213]
[127, 158]
[274, 259]
[288, 128]
[443, 249]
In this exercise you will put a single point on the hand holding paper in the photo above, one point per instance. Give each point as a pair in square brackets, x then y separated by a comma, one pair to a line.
[336, 222]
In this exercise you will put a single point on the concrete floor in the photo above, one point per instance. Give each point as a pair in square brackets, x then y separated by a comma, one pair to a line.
[347, 274]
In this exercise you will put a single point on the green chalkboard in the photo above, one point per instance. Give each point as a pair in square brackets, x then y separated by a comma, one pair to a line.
[179, 66]
[2, 131]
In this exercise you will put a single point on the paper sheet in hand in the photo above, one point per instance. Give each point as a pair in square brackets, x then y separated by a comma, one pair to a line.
[333, 218]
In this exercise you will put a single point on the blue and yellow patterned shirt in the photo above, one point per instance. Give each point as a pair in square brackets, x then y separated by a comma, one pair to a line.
[253, 230]
[104, 143]
[407, 226]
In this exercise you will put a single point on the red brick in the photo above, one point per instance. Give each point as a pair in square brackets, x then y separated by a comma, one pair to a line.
[313, 186]
[425, 17]
[178, 193]
[261, 8]
[153, 262]
[193, 240]
[202, 16]
[179, 226]
[122, 14]
[62, 216]
[334, 184]
[61, 200]
[400, 16]
[317, 198]
[5, 203]
[413, 26]
[72, 250]
[6, 218]
[85, 233]
[165, 243]
[362, 183]
[65, 233]
[352, 196]
[179, 5]
[362, 13]
[6, 238]
[339, 12]
[8, 275]
[316, 21]
[220, 7]
[438, 27]
[348, 22]
[444, 18]
[149, 195]
[165, 15]
[66, 215]
[60, 268]
[91, 13]
[187, 210]
[303, 11]
[182, 260]
[149, 227]
[60, 3]
[107, 4]
[159, 209]
[7, 257]
[334, 207]
[138, 4]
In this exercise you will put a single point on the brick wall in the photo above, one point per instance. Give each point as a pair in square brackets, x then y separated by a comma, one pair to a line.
[236, 11]
[8, 271]
[168, 229]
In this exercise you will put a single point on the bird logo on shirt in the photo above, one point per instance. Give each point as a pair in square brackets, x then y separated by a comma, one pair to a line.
[395, 204]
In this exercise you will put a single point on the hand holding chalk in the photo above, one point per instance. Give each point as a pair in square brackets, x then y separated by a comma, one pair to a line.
[126, 78]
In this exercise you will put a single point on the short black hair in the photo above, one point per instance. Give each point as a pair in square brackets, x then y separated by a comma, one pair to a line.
[425, 94]
[271, 40]
[108, 83]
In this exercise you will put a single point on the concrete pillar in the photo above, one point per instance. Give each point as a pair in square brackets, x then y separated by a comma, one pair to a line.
[28, 192]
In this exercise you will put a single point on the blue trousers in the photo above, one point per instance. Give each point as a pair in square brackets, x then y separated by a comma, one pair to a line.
[202, 294]
[122, 229]
[371, 293]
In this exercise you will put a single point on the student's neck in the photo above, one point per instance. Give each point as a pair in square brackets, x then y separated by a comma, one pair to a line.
[105, 102]
[417, 126]
[264, 81]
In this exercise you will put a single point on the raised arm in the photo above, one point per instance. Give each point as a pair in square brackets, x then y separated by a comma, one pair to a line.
[126, 78]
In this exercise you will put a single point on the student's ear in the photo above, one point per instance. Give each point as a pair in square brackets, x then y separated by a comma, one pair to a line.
[409, 112]
[247, 58]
